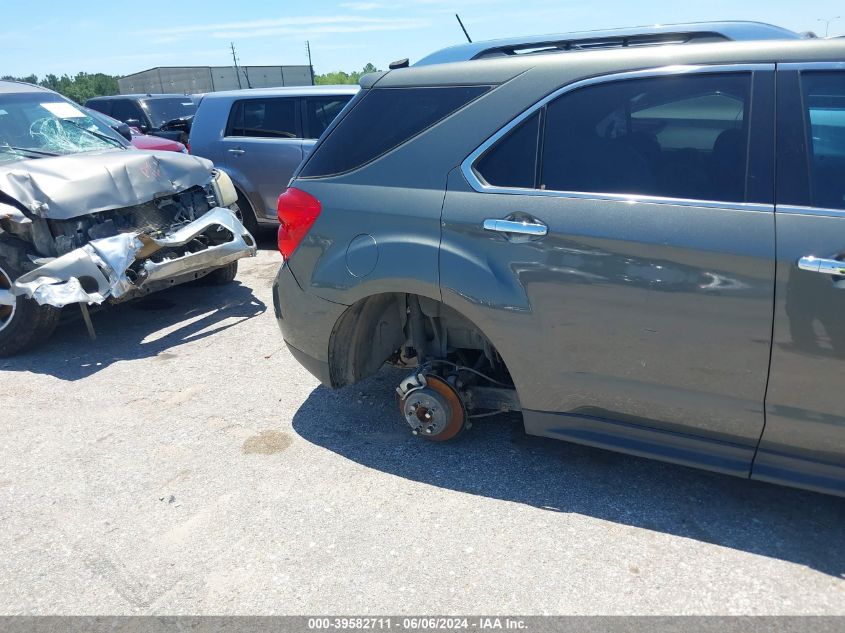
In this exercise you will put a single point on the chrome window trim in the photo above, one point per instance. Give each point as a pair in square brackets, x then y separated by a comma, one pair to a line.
[790, 209]
[474, 179]
[812, 66]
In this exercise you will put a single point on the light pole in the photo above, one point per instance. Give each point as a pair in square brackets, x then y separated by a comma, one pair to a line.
[827, 23]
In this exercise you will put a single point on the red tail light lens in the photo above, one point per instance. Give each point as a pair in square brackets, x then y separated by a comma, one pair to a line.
[297, 212]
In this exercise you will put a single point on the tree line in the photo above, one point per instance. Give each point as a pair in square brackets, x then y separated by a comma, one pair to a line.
[79, 88]
[84, 86]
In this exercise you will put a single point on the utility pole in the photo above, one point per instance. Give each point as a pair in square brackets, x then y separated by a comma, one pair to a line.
[310, 65]
[235, 59]
[827, 24]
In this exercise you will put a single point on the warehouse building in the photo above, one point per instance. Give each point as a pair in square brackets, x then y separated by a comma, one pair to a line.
[199, 79]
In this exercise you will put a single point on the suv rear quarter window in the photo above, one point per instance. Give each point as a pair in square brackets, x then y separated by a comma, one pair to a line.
[382, 120]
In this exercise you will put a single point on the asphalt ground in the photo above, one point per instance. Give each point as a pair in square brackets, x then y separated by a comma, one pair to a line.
[184, 463]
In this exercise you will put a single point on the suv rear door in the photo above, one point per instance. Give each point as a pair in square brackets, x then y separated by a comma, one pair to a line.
[804, 440]
[262, 143]
[622, 246]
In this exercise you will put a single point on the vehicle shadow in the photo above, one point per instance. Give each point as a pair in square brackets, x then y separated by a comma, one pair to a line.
[496, 459]
[138, 329]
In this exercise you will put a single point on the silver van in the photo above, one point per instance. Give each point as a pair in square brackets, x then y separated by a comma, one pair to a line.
[260, 136]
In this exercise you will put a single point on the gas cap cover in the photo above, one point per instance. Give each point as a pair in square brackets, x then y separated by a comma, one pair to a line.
[362, 255]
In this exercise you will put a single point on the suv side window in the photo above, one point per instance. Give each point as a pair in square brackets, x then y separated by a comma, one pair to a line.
[124, 109]
[100, 105]
[263, 118]
[320, 111]
[677, 137]
[824, 122]
[513, 161]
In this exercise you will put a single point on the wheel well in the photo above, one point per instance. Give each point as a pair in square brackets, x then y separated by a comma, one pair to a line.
[406, 330]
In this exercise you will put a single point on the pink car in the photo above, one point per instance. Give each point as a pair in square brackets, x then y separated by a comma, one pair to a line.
[138, 139]
[147, 141]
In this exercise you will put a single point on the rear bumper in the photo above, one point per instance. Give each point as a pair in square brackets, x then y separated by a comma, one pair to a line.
[306, 322]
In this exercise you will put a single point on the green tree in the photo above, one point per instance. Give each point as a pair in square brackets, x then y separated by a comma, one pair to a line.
[80, 87]
[341, 77]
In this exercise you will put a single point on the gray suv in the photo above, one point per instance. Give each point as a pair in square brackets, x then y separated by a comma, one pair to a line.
[639, 248]
[260, 136]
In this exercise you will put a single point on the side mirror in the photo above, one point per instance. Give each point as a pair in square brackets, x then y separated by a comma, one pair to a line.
[136, 123]
[124, 131]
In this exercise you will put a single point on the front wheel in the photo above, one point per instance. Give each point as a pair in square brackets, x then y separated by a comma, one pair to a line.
[221, 276]
[23, 323]
[245, 213]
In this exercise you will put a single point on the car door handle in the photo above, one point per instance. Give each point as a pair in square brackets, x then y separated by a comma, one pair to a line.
[237, 152]
[823, 266]
[536, 229]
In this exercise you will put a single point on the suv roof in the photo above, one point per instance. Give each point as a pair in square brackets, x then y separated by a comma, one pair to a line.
[177, 95]
[291, 91]
[694, 32]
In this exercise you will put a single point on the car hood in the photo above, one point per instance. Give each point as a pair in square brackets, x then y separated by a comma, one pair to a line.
[65, 187]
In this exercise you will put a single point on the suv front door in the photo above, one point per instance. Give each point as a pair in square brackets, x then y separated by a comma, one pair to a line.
[263, 146]
[804, 439]
[622, 240]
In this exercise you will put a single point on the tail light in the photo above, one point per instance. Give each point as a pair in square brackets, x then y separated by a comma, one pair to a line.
[297, 212]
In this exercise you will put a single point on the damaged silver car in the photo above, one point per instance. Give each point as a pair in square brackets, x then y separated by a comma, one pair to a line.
[85, 219]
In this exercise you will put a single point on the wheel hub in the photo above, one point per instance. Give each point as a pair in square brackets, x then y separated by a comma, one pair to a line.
[431, 407]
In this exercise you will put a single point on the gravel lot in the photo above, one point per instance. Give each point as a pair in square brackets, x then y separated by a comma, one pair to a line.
[184, 463]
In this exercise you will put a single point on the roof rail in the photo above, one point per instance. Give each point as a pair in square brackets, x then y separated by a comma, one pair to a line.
[696, 32]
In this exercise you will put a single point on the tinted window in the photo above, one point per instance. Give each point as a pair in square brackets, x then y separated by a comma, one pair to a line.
[824, 105]
[512, 162]
[268, 118]
[678, 137]
[99, 106]
[164, 110]
[321, 111]
[123, 110]
[380, 121]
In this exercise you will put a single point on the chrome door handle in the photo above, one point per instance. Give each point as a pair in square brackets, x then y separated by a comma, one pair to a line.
[237, 152]
[823, 266]
[519, 228]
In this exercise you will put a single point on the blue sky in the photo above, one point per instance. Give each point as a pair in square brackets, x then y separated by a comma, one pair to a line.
[95, 36]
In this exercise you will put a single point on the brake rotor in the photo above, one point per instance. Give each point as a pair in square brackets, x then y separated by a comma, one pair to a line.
[435, 410]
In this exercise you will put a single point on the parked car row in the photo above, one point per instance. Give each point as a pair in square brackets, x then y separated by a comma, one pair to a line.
[634, 237]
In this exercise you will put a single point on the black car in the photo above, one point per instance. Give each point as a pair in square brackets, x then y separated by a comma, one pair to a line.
[165, 115]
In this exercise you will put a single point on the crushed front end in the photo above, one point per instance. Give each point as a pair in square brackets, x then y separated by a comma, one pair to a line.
[116, 225]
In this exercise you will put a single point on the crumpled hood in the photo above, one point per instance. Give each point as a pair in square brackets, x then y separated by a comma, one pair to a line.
[65, 187]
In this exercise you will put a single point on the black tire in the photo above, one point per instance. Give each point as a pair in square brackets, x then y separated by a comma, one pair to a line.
[220, 276]
[246, 215]
[25, 324]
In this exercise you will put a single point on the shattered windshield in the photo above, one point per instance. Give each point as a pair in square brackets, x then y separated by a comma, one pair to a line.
[163, 111]
[39, 124]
